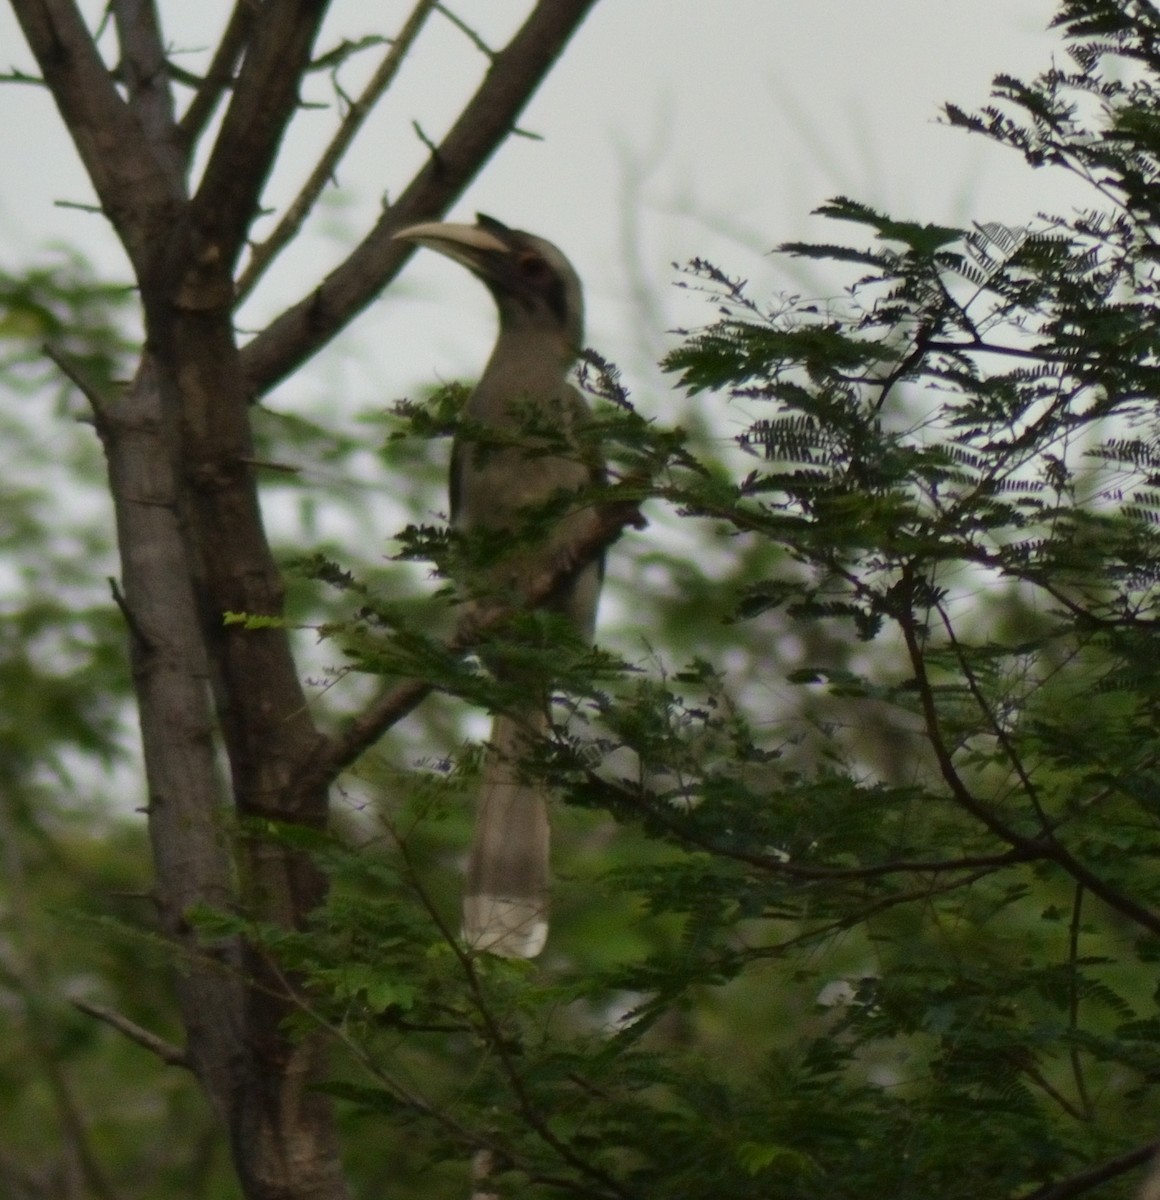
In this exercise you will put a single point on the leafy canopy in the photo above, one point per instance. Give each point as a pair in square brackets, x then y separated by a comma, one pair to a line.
[896, 936]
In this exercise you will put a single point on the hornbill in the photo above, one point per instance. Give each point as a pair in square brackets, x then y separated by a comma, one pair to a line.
[494, 487]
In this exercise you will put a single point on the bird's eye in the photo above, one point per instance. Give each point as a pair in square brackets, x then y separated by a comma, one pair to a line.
[532, 267]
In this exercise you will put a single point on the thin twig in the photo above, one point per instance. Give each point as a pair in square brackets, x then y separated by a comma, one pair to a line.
[15, 76]
[863, 914]
[1045, 846]
[1001, 735]
[170, 1054]
[263, 253]
[466, 30]
[664, 815]
[1045, 1085]
[1073, 1001]
[501, 1044]
[94, 210]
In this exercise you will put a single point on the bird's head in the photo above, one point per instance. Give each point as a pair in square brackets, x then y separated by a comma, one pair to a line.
[534, 285]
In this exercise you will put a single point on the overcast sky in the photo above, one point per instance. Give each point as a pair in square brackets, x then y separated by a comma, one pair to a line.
[671, 128]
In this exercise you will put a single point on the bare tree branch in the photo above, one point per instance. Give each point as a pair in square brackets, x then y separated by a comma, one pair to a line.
[220, 75]
[17, 76]
[91, 391]
[171, 1055]
[145, 73]
[487, 119]
[286, 230]
[264, 101]
[135, 190]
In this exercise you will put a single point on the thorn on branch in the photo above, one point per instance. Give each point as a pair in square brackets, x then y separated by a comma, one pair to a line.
[18, 76]
[434, 149]
[170, 1054]
[95, 209]
[182, 76]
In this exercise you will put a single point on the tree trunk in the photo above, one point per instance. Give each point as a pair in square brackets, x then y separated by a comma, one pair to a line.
[192, 542]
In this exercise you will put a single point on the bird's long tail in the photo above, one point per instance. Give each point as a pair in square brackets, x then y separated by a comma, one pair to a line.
[505, 904]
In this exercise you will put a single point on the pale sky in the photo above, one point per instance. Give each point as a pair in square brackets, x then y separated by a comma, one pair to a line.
[671, 128]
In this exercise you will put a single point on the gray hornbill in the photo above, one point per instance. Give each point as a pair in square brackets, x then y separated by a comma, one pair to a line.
[541, 327]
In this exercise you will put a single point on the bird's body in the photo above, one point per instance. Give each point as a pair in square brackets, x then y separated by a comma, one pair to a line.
[530, 413]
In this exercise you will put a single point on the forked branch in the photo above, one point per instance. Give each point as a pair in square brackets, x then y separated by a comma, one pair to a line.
[264, 253]
[488, 118]
[264, 100]
[220, 76]
[1046, 846]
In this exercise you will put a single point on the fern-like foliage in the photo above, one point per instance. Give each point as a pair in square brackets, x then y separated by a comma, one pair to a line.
[882, 913]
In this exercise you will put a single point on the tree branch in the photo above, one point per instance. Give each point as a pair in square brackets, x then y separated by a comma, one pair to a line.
[670, 818]
[220, 75]
[500, 1042]
[515, 73]
[1073, 998]
[264, 101]
[467, 31]
[92, 392]
[145, 73]
[996, 726]
[171, 1055]
[135, 190]
[1094, 1176]
[326, 764]
[286, 230]
[1043, 847]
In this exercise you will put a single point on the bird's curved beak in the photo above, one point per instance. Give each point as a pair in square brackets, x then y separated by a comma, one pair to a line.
[466, 244]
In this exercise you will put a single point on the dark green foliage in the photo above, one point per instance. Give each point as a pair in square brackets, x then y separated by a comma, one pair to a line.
[882, 910]
[856, 854]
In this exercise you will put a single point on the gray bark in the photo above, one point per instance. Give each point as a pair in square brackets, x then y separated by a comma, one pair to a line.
[189, 527]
